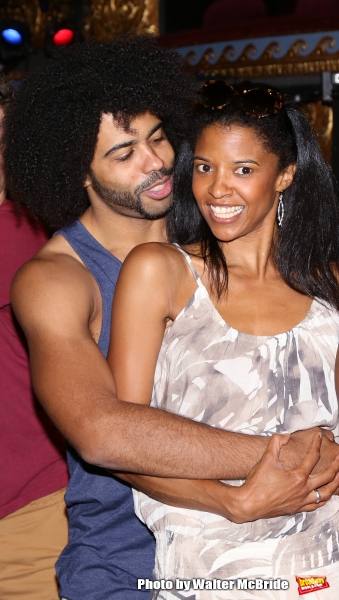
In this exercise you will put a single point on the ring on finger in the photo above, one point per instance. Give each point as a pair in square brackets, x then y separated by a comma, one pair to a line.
[318, 496]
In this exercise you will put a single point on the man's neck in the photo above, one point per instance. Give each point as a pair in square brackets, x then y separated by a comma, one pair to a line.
[120, 234]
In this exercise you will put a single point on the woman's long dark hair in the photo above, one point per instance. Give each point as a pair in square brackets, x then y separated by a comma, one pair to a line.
[306, 251]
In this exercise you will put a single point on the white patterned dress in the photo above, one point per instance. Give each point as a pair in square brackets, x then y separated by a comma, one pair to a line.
[259, 385]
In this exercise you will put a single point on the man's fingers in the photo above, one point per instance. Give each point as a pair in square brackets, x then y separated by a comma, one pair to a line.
[313, 454]
[325, 477]
[277, 441]
[328, 434]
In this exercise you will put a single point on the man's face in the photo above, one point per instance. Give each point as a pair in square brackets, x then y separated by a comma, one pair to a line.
[131, 170]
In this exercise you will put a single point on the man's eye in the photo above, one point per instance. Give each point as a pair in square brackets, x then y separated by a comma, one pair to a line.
[125, 157]
[203, 168]
[158, 139]
[244, 171]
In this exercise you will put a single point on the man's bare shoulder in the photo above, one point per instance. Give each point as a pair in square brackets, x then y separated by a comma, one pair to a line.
[54, 281]
[56, 251]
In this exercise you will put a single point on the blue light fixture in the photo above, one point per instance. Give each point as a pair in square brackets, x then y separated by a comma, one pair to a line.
[14, 42]
[12, 36]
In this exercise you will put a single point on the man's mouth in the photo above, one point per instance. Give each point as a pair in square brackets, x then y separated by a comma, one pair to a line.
[159, 191]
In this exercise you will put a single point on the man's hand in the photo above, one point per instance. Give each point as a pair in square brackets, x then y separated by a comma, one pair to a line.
[298, 446]
[270, 490]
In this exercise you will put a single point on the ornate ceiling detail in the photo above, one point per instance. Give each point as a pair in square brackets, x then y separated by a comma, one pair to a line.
[283, 55]
[108, 18]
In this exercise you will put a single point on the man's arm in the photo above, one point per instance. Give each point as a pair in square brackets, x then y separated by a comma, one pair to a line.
[268, 492]
[54, 304]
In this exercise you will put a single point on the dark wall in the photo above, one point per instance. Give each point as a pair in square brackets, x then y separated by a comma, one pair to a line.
[178, 15]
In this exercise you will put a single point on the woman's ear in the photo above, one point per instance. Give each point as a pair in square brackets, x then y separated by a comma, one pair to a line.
[286, 176]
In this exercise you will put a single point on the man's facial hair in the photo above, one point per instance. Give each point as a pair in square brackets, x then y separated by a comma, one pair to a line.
[132, 200]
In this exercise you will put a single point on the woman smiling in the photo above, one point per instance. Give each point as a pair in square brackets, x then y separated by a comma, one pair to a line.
[249, 307]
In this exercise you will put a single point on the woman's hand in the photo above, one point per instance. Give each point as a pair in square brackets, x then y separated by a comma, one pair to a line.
[270, 491]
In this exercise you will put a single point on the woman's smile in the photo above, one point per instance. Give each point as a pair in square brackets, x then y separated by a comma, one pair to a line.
[236, 181]
[225, 213]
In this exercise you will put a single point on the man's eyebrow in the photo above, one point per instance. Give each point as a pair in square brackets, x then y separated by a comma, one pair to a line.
[119, 146]
[155, 128]
[132, 142]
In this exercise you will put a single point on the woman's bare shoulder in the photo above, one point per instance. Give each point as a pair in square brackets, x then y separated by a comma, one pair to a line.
[156, 275]
[155, 258]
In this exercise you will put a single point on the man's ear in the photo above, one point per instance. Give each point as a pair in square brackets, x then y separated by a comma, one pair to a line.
[87, 181]
[286, 176]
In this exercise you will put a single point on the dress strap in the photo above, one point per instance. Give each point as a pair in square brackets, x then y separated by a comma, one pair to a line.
[191, 265]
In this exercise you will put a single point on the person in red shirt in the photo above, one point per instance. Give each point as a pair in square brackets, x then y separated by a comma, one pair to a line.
[33, 523]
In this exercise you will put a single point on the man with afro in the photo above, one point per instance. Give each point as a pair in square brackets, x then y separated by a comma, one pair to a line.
[89, 148]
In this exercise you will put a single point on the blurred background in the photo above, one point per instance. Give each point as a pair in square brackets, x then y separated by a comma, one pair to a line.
[179, 15]
[291, 44]
[31, 27]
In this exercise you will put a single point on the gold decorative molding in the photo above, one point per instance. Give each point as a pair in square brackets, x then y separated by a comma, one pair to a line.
[108, 18]
[320, 117]
[295, 61]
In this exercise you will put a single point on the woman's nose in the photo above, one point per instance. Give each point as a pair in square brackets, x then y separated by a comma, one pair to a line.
[220, 187]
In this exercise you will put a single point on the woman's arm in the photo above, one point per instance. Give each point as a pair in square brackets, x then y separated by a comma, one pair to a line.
[143, 301]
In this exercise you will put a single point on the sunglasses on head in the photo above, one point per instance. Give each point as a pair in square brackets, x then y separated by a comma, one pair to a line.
[258, 100]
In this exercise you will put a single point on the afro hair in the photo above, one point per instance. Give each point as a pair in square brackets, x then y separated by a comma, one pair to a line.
[51, 126]
[6, 93]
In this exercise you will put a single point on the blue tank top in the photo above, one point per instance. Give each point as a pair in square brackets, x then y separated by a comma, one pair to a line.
[109, 548]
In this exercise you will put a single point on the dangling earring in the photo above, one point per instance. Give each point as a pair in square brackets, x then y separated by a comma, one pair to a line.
[280, 213]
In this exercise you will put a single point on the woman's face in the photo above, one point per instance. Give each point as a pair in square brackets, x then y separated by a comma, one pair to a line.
[236, 181]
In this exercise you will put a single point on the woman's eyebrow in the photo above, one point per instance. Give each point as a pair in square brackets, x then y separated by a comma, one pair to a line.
[201, 158]
[245, 160]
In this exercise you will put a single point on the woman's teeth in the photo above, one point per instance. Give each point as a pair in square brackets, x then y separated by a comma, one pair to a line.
[226, 211]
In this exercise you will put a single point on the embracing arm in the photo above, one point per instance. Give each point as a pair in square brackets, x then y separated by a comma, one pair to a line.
[54, 304]
[268, 492]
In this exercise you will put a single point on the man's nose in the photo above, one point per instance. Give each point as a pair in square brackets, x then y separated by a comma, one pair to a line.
[152, 161]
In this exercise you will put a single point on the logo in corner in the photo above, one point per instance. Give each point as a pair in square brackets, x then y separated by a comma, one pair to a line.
[311, 584]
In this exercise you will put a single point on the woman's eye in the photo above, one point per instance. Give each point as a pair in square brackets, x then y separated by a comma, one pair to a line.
[244, 170]
[203, 168]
